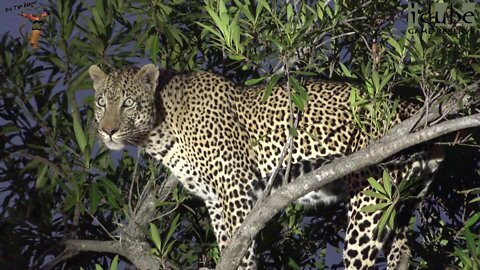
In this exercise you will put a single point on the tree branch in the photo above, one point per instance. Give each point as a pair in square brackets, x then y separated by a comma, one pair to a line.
[373, 154]
[132, 244]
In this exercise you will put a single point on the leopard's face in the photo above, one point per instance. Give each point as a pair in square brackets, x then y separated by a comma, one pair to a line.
[124, 104]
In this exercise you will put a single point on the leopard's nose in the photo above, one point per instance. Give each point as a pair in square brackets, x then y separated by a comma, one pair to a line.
[110, 130]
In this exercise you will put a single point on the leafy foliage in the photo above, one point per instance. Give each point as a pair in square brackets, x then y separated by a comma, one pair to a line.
[58, 183]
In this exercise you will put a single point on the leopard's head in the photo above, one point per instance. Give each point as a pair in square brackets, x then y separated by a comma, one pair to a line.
[124, 104]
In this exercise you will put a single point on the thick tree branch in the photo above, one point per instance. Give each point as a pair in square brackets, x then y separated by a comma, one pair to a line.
[373, 154]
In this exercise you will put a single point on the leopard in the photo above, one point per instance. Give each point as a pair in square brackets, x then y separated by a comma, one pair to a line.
[223, 140]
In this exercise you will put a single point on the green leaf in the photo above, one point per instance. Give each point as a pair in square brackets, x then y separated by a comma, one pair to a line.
[374, 194]
[217, 21]
[298, 101]
[474, 200]
[383, 220]
[293, 265]
[41, 177]
[300, 96]
[472, 220]
[395, 45]
[392, 217]
[69, 201]
[114, 264]
[110, 187]
[346, 72]
[385, 80]
[374, 207]
[376, 80]
[268, 89]
[94, 197]
[469, 239]
[277, 43]
[99, 157]
[155, 44]
[79, 134]
[387, 183]
[57, 62]
[173, 226]
[100, 26]
[155, 236]
[255, 81]
[466, 261]
[98, 267]
[236, 57]
[262, 4]
[211, 30]
[374, 183]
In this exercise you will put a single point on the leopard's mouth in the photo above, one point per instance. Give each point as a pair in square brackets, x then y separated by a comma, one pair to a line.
[112, 142]
[113, 145]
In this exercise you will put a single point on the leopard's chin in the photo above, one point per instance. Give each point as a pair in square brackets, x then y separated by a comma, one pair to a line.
[113, 145]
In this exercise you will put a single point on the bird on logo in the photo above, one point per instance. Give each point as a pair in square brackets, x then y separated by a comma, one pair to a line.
[37, 23]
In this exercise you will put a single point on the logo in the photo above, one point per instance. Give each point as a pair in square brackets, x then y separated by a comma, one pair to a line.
[441, 17]
[21, 6]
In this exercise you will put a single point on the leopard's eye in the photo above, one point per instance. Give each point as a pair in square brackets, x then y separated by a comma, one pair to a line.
[101, 102]
[128, 103]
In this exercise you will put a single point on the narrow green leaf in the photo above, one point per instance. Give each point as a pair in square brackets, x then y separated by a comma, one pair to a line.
[79, 134]
[155, 236]
[289, 12]
[216, 20]
[98, 22]
[110, 187]
[99, 157]
[469, 239]
[395, 45]
[392, 218]
[268, 89]
[477, 199]
[69, 202]
[41, 177]
[376, 80]
[255, 81]
[374, 207]
[387, 183]
[171, 230]
[155, 44]
[374, 194]
[383, 220]
[98, 267]
[346, 72]
[262, 4]
[57, 62]
[293, 265]
[298, 101]
[94, 197]
[236, 57]
[277, 43]
[247, 13]
[211, 30]
[300, 91]
[374, 183]
[385, 80]
[463, 257]
[114, 264]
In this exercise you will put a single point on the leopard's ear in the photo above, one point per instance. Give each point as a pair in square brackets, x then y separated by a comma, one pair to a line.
[149, 74]
[97, 75]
